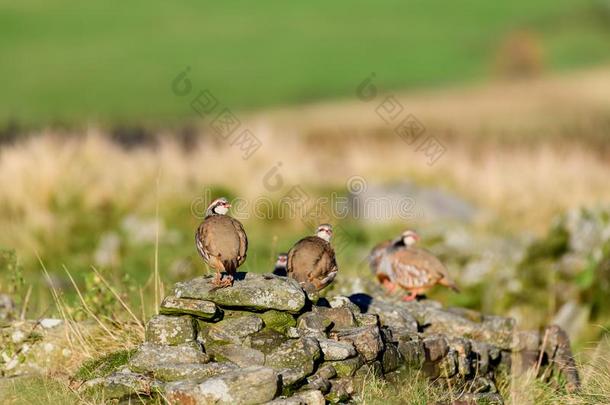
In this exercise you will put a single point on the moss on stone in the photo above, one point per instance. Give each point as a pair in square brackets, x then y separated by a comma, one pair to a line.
[278, 321]
[104, 366]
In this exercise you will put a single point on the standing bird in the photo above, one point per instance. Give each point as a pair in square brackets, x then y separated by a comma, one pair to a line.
[374, 259]
[222, 242]
[311, 261]
[280, 265]
[413, 269]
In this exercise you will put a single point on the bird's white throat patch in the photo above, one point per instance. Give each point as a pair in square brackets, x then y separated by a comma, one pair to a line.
[324, 235]
[221, 209]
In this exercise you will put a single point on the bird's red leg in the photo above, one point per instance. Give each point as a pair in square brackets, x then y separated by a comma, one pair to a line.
[409, 297]
[227, 281]
[217, 281]
[217, 265]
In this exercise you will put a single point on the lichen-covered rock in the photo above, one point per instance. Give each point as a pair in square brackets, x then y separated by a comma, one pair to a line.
[206, 310]
[150, 356]
[463, 349]
[347, 367]
[266, 340]
[313, 324]
[278, 321]
[341, 301]
[119, 385]
[247, 386]
[481, 398]
[435, 347]
[237, 354]
[171, 330]
[335, 350]
[366, 340]
[412, 351]
[393, 316]
[340, 318]
[367, 319]
[320, 380]
[391, 358]
[234, 330]
[250, 291]
[295, 359]
[195, 371]
[341, 390]
[310, 397]
[494, 330]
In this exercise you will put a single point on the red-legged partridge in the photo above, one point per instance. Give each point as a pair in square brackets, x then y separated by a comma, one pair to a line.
[222, 242]
[311, 261]
[413, 269]
[280, 265]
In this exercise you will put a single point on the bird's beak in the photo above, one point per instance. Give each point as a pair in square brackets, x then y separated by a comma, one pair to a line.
[228, 205]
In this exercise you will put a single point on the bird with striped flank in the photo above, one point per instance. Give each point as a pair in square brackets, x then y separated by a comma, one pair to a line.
[411, 268]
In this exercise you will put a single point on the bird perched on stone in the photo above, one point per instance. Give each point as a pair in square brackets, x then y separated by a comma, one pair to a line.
[374, 259]
[411, 268]
[311, 261]
[280, 265]
[221, 242]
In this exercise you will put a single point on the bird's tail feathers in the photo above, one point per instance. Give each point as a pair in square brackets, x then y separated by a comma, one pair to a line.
[230, 266]
[450, 284]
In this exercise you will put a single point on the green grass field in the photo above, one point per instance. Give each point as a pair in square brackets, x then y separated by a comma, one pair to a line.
[69, 62]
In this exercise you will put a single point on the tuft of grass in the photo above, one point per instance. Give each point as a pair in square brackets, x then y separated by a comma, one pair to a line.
[36, 390]
[103, 366]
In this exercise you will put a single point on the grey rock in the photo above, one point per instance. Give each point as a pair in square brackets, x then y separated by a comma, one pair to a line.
[340, 318]
[395, 317]
[320, 380]
[206, 310]
[412, 351]
[119, 385]
[266, 340]
[391, 358]
[497, 331]
[310, 397]
[313, 324]
[335, 350]
[252, 291]
[293, 333]
[171, 330]
[247, 386]
[150, 356]
[295, 359]
[367, 319]
[448, 366]
[195, 372]
[366, 340]
[341, 301]
[341, 390]
[482, 398]
[278, 321]
[234, 330]
[435, 347]
[463, 349]
[237, 354]
[348, 367]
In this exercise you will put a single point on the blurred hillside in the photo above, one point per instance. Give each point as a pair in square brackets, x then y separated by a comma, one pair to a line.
[67, 62]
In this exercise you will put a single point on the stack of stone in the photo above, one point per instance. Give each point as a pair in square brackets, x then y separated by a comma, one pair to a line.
[263, 341]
